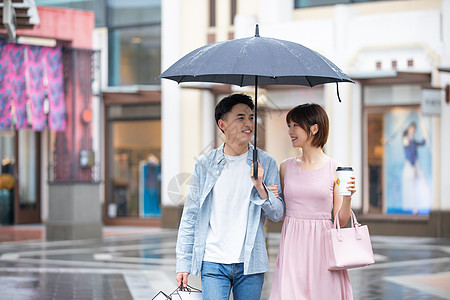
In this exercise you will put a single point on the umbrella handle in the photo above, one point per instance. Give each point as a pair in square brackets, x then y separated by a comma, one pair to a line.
[255, 164]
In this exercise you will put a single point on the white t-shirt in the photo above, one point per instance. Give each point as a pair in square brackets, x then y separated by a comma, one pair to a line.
[229, 212]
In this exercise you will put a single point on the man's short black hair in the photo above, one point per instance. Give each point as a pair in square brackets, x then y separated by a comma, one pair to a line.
[226, 104]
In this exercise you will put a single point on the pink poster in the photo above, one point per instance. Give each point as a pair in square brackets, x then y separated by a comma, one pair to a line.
[17, 84]
[5, 95]
[36, 86]
[55, 91]
[32, 88]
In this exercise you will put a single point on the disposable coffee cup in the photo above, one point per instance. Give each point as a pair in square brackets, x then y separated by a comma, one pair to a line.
[343, 175]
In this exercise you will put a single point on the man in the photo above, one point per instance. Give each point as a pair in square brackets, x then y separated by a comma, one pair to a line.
[221, 236]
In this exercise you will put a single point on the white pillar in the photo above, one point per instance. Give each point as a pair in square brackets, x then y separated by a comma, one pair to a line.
[445, 112]
[356, 142]
[340, 112]
[208, 121]
[170, 97]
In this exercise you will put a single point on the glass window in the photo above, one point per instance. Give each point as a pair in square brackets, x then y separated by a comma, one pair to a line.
[212, 13]
[233, 11]
[135, 56]
[7, 176]
[98, 6]
[27, 168]
[375, 155]
[399, 152]
[398, 94]
[312, 3]
[133, 12]
[134, 175]
[7, 151]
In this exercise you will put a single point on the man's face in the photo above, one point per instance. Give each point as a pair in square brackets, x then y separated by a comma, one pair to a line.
[238, 124]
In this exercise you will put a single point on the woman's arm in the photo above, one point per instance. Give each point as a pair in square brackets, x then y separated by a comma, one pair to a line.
[282, 171]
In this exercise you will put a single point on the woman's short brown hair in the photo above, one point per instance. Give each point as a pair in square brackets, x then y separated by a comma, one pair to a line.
[306, 115]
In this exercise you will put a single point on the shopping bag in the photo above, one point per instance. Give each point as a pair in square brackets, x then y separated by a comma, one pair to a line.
[188, 293]
[161, 296]
[347, 248]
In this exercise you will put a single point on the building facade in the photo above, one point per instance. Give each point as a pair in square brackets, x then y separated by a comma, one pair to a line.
[126, 109]
[390, 125]
[46, 115]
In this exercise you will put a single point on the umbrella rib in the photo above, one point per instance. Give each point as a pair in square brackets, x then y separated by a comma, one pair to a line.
[309, 82]
[298, 59]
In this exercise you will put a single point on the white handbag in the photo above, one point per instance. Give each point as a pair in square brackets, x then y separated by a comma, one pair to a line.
[189, 293]
[161, 296]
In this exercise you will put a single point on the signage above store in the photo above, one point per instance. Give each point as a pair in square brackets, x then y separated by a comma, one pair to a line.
[431, 101]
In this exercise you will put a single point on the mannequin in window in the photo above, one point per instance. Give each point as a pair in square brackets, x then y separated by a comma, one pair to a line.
[415, 191]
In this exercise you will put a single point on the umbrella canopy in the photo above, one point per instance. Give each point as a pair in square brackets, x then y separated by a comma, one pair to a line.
[255, 61]
[239, 61]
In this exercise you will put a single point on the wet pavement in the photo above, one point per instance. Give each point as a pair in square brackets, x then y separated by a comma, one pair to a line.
[135, 263]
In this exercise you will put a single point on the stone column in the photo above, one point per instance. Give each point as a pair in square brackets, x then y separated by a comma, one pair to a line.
[74, 211]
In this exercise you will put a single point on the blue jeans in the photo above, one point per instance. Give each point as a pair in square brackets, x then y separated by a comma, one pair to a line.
[218, 279]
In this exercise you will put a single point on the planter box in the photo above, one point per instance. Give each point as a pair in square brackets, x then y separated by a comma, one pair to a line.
[6, 207]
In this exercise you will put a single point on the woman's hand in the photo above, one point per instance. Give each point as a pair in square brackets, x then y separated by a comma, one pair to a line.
[273, 188]
[351, 185]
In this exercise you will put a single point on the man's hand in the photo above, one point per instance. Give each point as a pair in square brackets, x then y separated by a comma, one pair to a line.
[259, 182]
[182, 278]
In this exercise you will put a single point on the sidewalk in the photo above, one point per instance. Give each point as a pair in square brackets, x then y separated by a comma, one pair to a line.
[37, 232]
[136, 263]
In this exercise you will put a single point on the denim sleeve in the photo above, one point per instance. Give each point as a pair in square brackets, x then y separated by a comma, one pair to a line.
[186, 231]
[272, 207]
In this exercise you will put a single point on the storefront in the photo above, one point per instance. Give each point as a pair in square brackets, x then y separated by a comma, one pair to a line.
[20, 177]
[132, 158]
[401, 140]
[32, 102]
[46, 132]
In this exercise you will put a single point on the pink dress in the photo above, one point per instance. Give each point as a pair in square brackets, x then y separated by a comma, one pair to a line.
[301, 269]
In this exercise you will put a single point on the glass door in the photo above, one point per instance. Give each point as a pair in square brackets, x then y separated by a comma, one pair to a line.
[7, 177]
[133, 168]
[28, 204]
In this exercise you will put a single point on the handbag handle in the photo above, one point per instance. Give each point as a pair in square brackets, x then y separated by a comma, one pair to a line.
[187, 288]
[354, 224]
[354, 221]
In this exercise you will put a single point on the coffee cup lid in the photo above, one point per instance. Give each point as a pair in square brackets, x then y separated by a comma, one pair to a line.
[344, 169]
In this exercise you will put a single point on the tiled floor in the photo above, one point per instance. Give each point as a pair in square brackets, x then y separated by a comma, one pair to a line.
[136, 263]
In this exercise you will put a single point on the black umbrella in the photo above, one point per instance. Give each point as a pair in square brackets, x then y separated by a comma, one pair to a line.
[252, 61]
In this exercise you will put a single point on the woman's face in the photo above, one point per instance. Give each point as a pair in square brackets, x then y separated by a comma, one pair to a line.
[411, 131]
[299, 137]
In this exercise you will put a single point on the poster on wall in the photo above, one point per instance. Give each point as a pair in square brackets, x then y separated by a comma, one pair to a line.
[408, 163]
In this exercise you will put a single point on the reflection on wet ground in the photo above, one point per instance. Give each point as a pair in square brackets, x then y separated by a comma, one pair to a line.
[138, 265]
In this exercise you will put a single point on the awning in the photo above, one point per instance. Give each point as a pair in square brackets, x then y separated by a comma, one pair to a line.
[392, 77]
[31, 87]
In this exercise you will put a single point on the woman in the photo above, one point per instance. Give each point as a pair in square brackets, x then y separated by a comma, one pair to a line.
[310, 193]
[415, 191]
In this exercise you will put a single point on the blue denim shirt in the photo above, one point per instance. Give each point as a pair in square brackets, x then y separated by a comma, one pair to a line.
[197, 211]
